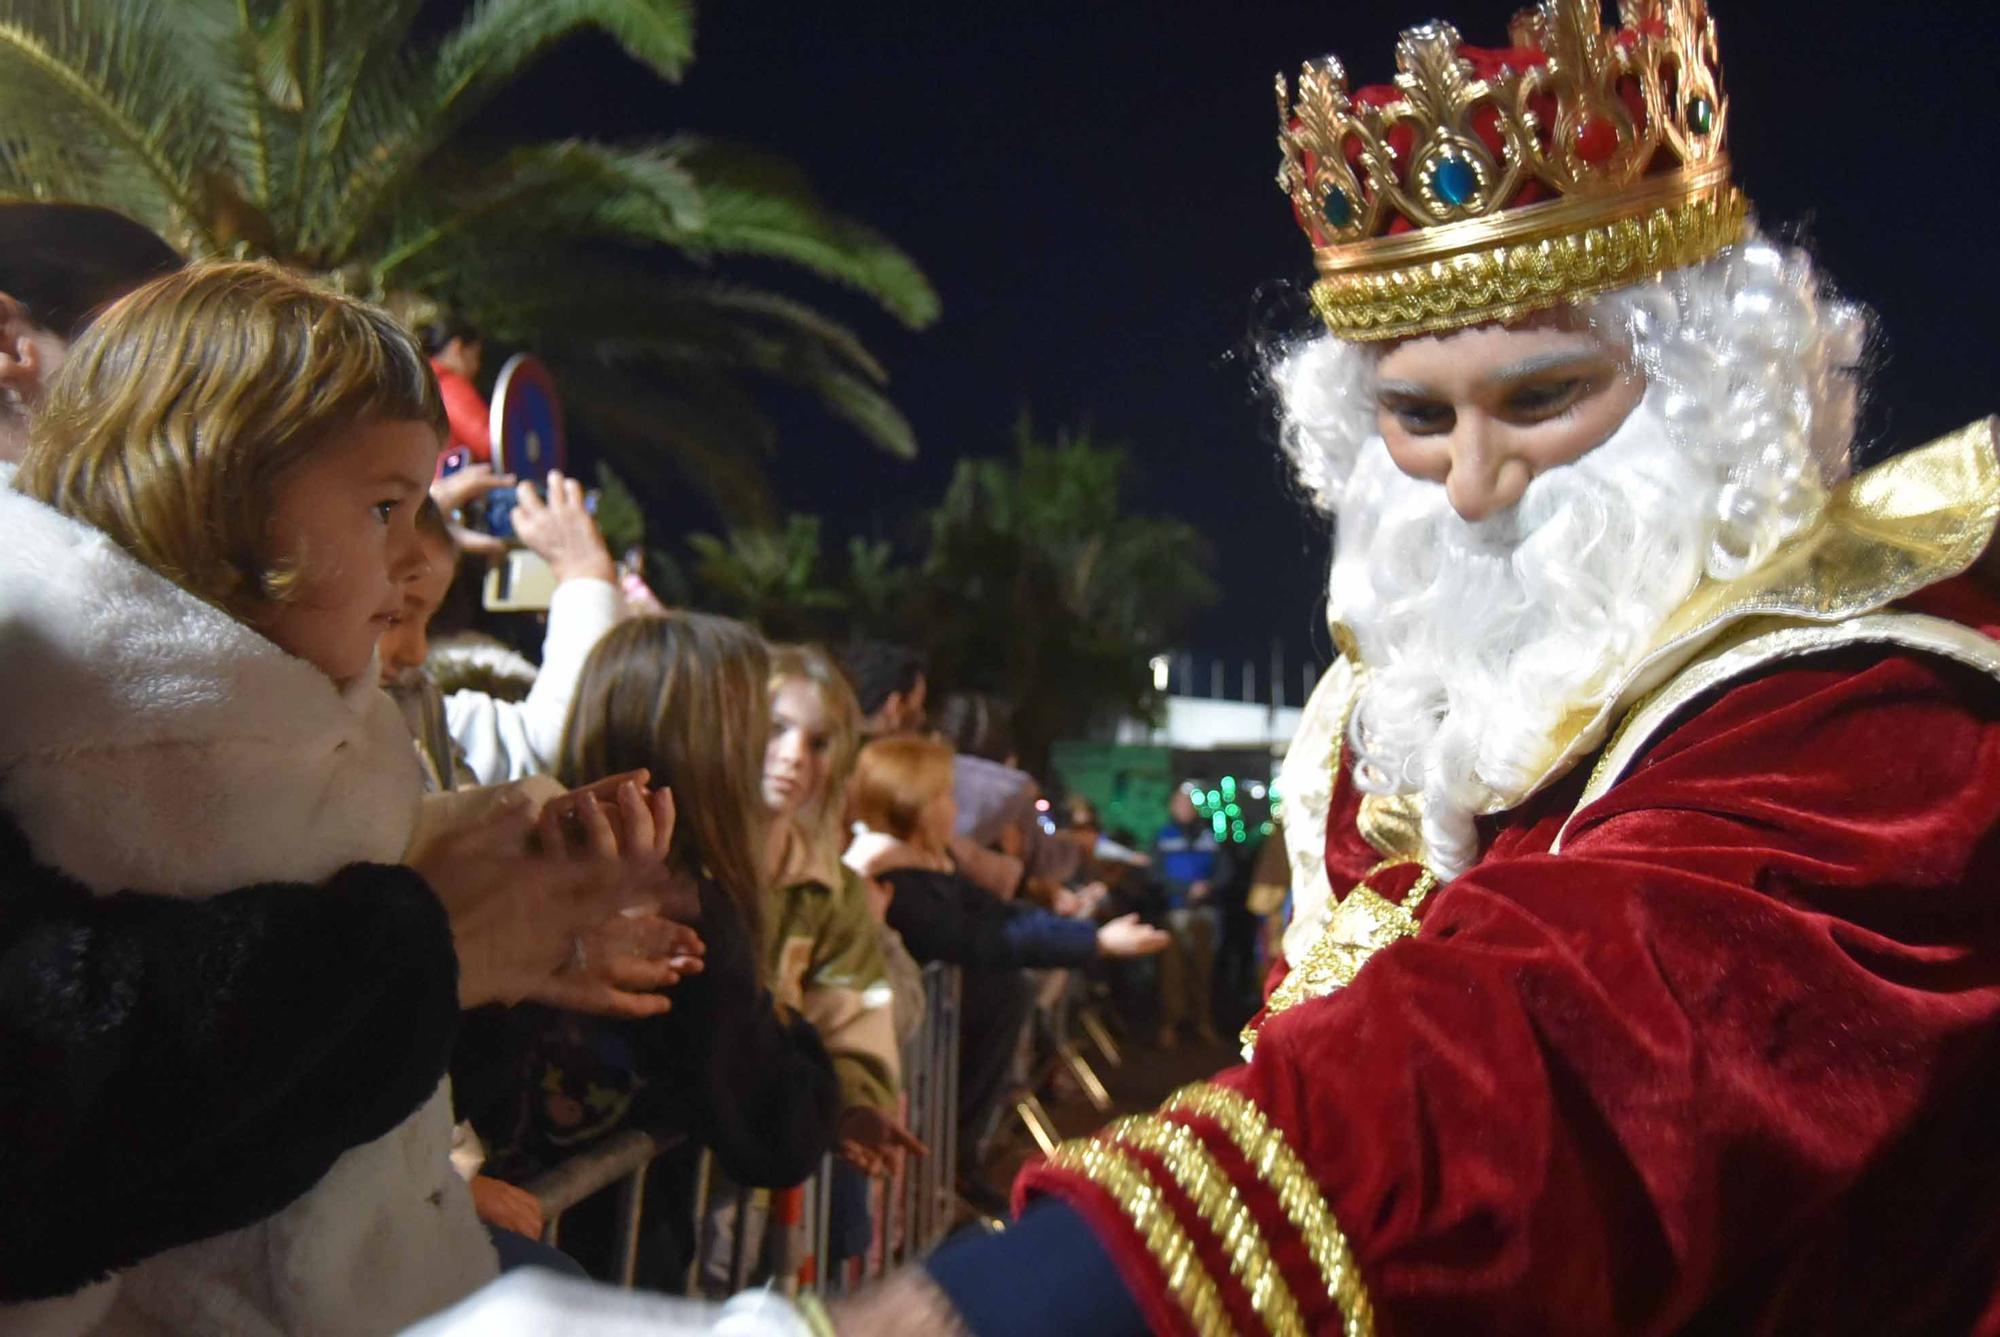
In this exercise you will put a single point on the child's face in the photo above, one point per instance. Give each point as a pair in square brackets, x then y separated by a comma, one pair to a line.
[345, 520]
[406, 645]
[795, 760]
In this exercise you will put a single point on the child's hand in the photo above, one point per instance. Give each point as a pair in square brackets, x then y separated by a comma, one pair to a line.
[562, 531]
[874, 1142]
[1126, 936]
[501, 1204]
[454, 492]
[515, 916]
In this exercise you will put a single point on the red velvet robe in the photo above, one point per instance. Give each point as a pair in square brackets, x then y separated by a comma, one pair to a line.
[1729, 1062]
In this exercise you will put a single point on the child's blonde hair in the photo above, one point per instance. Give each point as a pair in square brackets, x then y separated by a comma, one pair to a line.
[174, 417]
[896, 779]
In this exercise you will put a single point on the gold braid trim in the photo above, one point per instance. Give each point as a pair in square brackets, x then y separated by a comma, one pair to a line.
[1361, 924]
[1196, 1171]
[1137, 1196]
[1507, 281]
[1298, 1195]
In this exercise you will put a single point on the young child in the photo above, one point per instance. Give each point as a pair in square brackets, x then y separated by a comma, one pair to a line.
[685, 697]
[219, 515]
[823, 951]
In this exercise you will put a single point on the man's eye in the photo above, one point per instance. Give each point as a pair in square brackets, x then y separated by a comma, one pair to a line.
[383, 510]
[1421, 417]
[1534, 401]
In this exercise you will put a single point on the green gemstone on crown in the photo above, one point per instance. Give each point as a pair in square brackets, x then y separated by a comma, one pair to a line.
[1338, 208]
[1701, 115]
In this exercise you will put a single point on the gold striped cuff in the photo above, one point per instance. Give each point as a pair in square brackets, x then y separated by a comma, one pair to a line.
[1110, 1162]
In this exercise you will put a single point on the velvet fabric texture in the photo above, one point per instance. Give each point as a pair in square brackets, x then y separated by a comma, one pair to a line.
[174, 1069]
[1726, 1063]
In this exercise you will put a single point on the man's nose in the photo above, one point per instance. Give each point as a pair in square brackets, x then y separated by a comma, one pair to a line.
[1485, 478]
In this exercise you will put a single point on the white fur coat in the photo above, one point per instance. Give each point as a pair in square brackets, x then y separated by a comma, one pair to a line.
[149, 742]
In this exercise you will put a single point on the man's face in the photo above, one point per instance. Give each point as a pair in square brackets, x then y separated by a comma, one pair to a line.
[1483, 411]
[406, 644]
[1181, 806]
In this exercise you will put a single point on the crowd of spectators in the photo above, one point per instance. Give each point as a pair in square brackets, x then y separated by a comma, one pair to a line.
[314, 951]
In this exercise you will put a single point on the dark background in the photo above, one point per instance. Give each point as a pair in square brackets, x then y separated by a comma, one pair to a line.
[1091, 189]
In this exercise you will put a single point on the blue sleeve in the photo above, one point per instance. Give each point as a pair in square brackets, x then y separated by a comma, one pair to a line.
[1076, 1288]
[1040, 938]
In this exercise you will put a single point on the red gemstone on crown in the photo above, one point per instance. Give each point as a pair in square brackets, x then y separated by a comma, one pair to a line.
[1596, 140]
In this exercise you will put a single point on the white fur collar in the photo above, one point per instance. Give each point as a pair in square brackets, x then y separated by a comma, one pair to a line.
[149, 741]
[102, 651]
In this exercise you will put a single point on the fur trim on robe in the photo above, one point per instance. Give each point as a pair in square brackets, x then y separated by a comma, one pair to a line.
[150, 741]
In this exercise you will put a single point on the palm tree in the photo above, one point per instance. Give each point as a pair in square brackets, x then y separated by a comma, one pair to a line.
[769, 577]
[323, 134]
[1041, 586]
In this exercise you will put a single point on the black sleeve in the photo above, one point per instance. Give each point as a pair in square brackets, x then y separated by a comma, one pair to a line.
[745, 1078]
[945, 918]
[171, 1069]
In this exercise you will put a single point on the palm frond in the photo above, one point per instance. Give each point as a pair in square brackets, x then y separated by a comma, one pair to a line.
[135, 130]
[497, 40]
[668, 434]
[537, 197]
[760, 205]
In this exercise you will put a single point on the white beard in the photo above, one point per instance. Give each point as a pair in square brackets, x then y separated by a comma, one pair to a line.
[1480, 637]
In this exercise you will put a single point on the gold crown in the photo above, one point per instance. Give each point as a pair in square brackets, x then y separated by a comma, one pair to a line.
[1486, 185]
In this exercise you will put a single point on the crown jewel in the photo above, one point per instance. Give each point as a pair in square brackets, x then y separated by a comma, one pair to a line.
[1487, 184]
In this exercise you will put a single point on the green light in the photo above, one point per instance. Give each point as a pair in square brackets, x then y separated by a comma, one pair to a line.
[1214, 799]
[1266, 829]
[1233, 810]
[1229, 786]
[1221, 824]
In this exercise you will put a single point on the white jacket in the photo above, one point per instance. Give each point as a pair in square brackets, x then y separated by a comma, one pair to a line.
[512, 740]
[150, 742]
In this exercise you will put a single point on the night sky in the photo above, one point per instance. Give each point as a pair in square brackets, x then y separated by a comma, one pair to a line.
[1091, 190]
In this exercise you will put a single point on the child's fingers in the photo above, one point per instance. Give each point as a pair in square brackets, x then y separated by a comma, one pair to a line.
[636, 819]
[554, 840]
[598, 835]
[663, 821]
[607, 788]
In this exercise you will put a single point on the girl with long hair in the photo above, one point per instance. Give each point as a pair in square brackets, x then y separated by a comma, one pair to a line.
[825, 949]
[688, 694]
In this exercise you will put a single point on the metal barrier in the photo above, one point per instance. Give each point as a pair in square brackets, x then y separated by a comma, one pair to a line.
[621, 1159]
[915, 1208]
[910, 1211]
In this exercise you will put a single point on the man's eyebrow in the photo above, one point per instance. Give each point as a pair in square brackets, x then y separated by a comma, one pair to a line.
[1405, 390]
[396, 478]
[1537, 366]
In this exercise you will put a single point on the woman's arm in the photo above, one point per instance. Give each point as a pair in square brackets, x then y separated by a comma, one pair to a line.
[178, 1068]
